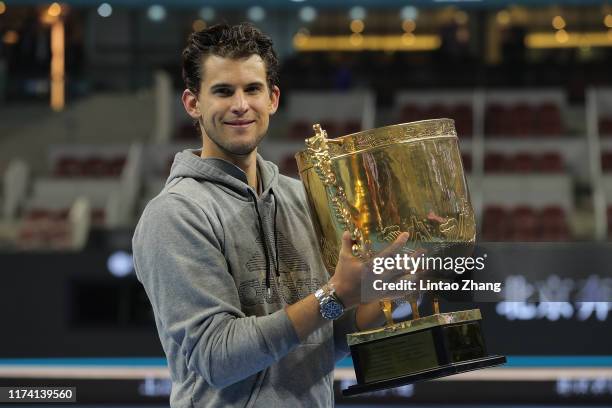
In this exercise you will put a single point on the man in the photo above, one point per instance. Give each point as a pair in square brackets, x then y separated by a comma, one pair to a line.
[227, 254]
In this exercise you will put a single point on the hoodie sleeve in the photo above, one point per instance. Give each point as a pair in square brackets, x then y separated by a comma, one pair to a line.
[180, 263]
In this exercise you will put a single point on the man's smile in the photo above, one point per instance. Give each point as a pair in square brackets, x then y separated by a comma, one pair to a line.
[239, 123]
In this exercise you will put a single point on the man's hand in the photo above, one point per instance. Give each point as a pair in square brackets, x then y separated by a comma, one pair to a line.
[350, 270]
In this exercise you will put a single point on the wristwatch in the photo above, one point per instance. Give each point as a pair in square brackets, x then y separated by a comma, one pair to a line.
[329, 304]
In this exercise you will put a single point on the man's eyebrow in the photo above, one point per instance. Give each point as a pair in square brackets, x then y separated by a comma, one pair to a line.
[225, 85]
[221, 85]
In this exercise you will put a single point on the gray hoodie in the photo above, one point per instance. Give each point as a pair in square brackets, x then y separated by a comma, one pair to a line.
[219, 265]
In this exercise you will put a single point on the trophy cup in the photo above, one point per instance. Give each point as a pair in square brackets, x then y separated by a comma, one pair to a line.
[377, 184]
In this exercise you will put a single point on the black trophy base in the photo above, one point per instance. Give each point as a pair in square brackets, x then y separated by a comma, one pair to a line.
[422, 349]
[443, 371]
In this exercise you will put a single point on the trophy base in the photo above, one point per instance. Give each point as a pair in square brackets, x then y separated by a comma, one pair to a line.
[442, 371]
[416, 350]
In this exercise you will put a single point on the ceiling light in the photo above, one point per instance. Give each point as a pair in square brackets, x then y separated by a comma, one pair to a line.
[105, 10]
[156, 13]
[256, 13]
[207, 13]
[357, 13]
[308, 14]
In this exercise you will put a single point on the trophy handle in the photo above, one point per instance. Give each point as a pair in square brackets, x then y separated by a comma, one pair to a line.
[318, 150]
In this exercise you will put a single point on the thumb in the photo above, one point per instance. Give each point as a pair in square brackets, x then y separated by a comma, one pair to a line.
[347, 243]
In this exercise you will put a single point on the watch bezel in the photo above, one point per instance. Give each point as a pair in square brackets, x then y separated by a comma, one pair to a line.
[327, 297]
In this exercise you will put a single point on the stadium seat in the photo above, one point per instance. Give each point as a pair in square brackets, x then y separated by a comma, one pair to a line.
[522, 120]
[553, 224]
[495, 120]
[94, 167]
[300, 130]
[288, 166]
[466, 158]
[548, 120]
[462, 114]
[495, 224]
[550, 162]
[495, 162]
[524, 223]
[68, 167]
[605, 126]
[410, 113]
[331, 127]
[606, 161]
[522, 163]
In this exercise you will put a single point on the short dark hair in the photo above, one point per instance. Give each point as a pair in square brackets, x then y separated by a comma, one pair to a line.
[238, 41]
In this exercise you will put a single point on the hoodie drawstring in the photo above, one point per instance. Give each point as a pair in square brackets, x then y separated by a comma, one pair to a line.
[276, 264]
[262, 236]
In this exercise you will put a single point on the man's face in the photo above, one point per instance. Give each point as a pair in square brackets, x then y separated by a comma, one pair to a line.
[234, 105]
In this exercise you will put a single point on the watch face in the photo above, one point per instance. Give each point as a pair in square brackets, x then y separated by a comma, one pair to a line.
[332, 310]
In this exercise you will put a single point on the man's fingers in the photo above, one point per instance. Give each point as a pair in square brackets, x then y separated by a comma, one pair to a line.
[396, 246]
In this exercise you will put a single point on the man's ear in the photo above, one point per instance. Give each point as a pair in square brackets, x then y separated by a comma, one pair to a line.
[191, 104]
[274, 99]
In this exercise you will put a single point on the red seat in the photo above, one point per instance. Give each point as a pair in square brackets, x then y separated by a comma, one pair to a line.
[466, 158]
[300, 130]
[94, 167]
[331, 127]
[45, 228]
[410, 113]
[605, 126]
[548, 120]
[524, 224]
[522, 163]
[495, 162]
[115, 166]
[606, 161]
[37, 214]
[522, 120]
[68, 167]
[495, 225]
[553, 224]
[462, 114]
[61, 214]
[550, 162]
[436, 111]
[288, 166]
[494, 120]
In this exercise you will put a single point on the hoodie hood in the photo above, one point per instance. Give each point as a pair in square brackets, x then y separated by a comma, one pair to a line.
[188, 163]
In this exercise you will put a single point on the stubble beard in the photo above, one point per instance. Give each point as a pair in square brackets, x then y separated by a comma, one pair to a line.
[232, 149]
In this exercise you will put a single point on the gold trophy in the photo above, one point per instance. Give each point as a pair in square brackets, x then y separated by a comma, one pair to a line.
[377, 184]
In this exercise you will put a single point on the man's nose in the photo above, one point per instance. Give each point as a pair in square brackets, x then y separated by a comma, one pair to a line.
[240, 103]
